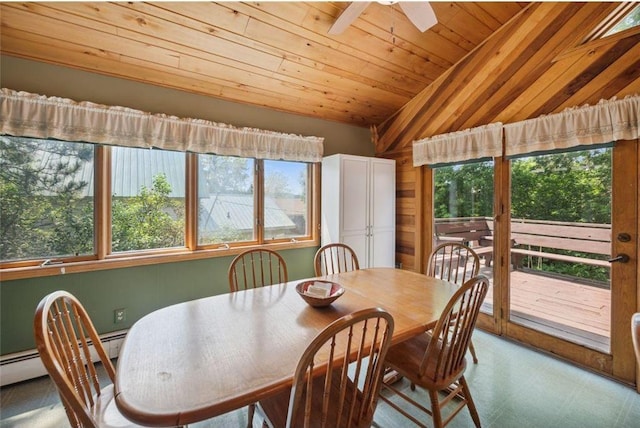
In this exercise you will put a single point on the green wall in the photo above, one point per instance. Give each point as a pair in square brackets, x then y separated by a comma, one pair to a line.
[143, 289]
[139, 290]
[46, 79]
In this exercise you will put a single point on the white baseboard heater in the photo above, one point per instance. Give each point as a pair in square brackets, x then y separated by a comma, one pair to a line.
[26, 365]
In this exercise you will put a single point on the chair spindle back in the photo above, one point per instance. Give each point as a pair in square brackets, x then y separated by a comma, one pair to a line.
[362, 339]
[64, 333]
[335, 258]
[445, 354]
[257, 268]
[453, 262]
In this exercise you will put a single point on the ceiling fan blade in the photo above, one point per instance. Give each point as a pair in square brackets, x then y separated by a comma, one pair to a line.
[420, 14]
[350, 14]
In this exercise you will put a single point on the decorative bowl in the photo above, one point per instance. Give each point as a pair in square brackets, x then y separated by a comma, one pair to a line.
[315, 301]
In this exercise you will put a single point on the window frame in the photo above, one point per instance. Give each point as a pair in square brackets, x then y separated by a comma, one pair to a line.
[601, 31]
[103, 258]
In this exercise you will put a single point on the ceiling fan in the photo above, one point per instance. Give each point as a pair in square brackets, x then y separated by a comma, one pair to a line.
[419, 13]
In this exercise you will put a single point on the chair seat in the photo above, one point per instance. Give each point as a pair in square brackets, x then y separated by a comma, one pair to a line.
[330, 388]
[406, 357]
[276, 408]
[106, 413]
[436, 360]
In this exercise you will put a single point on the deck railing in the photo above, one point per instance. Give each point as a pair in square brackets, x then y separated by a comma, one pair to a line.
[579, 250]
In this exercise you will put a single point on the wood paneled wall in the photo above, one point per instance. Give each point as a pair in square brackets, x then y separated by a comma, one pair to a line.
[410, 222]
[536, 64]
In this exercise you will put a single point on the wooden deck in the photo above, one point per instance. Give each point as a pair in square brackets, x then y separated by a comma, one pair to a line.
[577, 312]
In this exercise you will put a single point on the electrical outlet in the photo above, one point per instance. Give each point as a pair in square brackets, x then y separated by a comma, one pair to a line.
[119, 315]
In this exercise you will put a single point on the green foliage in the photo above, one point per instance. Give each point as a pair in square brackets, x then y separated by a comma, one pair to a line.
[46, 209]
[576, 270]
[572, 187]
[42, 211]
[568, 187]
[464, 190]
[150, 220]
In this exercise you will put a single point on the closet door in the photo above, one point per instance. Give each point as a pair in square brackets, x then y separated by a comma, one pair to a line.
[382, 203]
[354, 210]
[358, 207]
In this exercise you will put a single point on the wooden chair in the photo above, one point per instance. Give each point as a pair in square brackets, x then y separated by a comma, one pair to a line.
[453, 262]
[253, 269]
[257, 268]
[335, 258]
[436, 361]
[457, 263]
[339, 376]
[63, 333]
[635, 334]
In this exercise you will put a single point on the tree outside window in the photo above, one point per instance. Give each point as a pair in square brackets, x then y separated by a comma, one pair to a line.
[48, 194]
[46, 199]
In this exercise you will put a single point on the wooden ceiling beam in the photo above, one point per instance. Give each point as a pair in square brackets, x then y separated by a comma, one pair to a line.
[531, 64]
[435, 101]
[591, 68]
[526, 104]
[514, 75]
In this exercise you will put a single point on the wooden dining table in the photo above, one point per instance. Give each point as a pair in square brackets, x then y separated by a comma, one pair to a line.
[199, 359]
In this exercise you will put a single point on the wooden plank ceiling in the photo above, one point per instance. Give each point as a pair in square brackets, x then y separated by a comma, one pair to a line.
[481, 63]
[273, 54]
[535, 64]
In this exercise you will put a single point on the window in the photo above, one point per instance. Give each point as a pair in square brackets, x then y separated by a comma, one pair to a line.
[463, 212]
[285, 202]
[625, 16]
[227, 195]
[632, 19]
[147, 199]
[46, 199]
[48, 191]
[226, 200]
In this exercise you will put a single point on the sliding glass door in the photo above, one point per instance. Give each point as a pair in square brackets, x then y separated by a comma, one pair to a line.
[561, 242]
[463, 211]
[572, 251]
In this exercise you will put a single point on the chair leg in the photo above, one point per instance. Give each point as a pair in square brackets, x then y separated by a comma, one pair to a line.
[435, 409]
[472, 349]
[470, 404]
[251, 411]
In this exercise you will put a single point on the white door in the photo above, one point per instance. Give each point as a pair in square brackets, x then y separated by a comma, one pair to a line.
[382, 190]
[355, 206]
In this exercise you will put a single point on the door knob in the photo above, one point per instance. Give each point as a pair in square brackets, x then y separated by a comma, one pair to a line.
[622, 258]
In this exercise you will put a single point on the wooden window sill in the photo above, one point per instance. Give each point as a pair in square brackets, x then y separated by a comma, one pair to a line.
[131, 260]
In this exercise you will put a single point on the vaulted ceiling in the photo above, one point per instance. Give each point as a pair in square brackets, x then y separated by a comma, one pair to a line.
[543, 61]
[481, 63]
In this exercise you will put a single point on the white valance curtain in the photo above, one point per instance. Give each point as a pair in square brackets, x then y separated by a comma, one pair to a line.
[605, 122]
[475, 143]
[30, 115]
